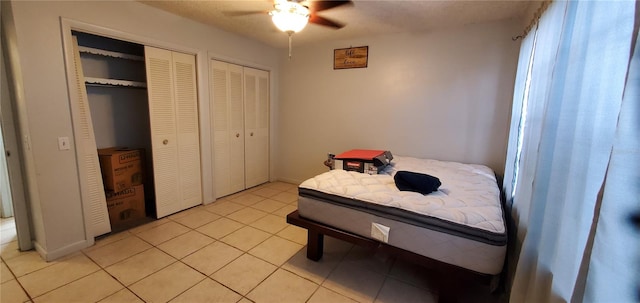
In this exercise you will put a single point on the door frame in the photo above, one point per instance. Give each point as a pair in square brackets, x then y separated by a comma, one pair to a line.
[69, 25]
[15, 130]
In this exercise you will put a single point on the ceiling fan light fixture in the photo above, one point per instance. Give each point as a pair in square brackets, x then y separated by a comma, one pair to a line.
[289, 17]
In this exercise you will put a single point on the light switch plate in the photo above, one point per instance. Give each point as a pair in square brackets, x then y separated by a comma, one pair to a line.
[63, 143]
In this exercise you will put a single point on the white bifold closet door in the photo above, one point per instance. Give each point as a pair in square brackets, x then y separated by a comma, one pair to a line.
[240, 122]
[256, 126]
[228, 127]
[173, 110]
[91, 188]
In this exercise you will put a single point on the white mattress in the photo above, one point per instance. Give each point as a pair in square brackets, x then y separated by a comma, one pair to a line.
[462, 223]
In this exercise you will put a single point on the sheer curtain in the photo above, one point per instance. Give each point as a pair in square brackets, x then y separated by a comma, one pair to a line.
[577, 79]
[615, 259]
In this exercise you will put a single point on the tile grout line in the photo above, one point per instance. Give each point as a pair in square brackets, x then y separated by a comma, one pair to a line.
[184, 291]
[61, 286]
[108, 273]
[215, 240]
[121, 283]
[386, 277]
[123, 286]
[175, 260]
[344, 256]
[247, 251]
[16, 278]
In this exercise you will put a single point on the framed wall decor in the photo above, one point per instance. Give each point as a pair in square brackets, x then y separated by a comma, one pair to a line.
[352, 57]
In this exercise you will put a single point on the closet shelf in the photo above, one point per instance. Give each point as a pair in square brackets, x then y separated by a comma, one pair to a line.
[113, 82]
[102, 52]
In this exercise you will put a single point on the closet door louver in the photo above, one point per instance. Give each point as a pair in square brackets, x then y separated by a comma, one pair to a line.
[187, 129]
[164, 143]
[236, 119]
[220, 127]
[173, 110]
[89, 166]
[228, 126]
[256, 88]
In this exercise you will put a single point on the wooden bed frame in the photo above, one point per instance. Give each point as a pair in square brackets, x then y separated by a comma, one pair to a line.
[451, 278]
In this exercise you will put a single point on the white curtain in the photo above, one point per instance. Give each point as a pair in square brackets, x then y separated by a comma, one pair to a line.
[615, 260]
[577, 80]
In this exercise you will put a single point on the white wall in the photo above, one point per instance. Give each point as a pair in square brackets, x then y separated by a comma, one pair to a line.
[444, 94]
[38, 28]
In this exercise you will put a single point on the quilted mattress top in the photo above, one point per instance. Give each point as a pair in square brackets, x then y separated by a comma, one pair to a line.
[469, 195]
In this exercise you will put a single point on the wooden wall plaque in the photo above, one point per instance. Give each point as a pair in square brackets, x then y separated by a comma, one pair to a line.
[352, 57]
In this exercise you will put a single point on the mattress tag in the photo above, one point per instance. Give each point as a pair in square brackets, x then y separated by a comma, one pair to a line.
[380, 232]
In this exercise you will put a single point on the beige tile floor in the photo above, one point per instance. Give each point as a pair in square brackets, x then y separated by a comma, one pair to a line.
[238, 249]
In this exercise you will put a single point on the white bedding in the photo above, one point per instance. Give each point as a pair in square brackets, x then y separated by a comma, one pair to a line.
[469, 194]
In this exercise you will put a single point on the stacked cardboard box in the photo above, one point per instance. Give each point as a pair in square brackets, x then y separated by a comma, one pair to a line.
[123, 175]
[121, 167]
[125, 206]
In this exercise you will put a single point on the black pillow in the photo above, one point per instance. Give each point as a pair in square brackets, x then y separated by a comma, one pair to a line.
[417, 182]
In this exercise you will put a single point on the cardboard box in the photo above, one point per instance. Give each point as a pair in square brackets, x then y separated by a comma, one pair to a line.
[121, 167]
[126, 206]
[363, 160]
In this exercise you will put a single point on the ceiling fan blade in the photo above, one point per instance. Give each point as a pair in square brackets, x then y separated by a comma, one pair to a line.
[316, 6]
[324, 21]
[243, 13]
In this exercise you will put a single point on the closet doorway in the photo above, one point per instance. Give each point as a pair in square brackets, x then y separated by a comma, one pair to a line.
[126, 95]
[12, 186]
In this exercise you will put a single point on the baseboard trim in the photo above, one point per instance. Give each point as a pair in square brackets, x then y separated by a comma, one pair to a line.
[292, 181]
[61, 252]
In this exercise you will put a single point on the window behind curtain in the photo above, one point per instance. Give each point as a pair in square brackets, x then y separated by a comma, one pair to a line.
[523, 119]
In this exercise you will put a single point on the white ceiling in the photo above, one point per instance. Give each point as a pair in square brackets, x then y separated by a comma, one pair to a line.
[363, 18]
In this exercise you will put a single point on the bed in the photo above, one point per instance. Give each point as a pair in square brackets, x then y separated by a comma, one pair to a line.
[460, 228]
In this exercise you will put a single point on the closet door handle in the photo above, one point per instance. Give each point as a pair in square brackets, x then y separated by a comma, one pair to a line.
[237, 135]
[251, 134]
[165, 142]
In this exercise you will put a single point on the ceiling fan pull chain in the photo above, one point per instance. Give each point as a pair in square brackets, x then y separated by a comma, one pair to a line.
[290, 46]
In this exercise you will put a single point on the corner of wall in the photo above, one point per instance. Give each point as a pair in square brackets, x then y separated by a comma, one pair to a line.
[61, 252]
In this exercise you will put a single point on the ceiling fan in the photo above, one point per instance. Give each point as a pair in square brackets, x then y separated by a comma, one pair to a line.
[291, 16]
